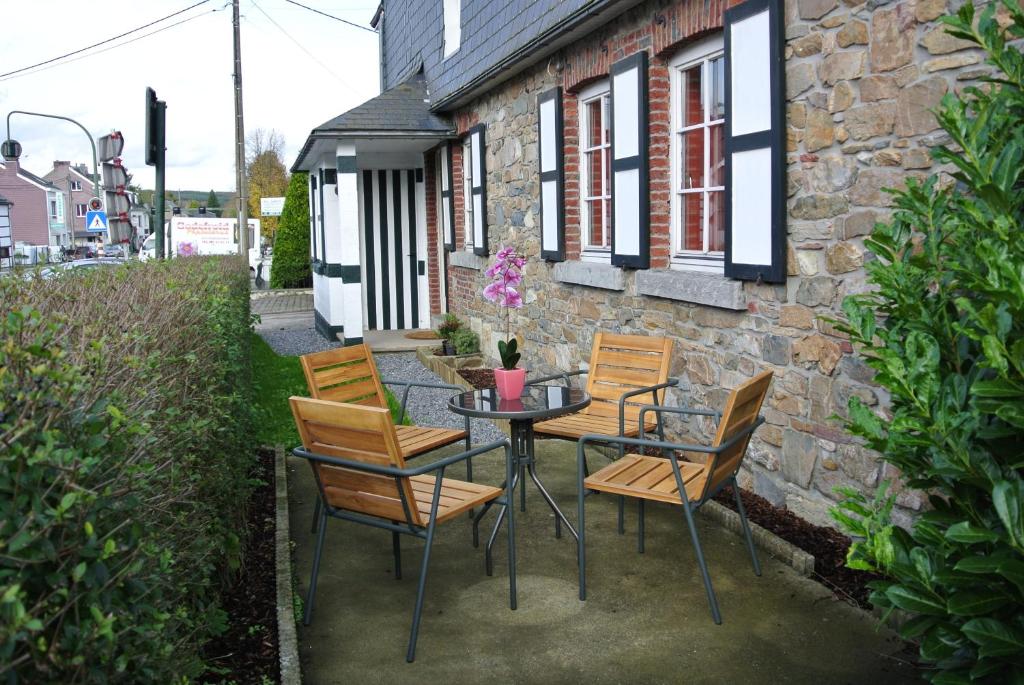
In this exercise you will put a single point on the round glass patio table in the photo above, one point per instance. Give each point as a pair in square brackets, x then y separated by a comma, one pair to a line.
[536, 402]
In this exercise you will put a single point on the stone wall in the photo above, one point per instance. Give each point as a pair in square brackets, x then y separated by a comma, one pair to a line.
[860, 81]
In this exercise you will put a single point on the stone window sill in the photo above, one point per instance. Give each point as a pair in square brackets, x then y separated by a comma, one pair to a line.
[591, 274]
[467, 260]
[713, 290]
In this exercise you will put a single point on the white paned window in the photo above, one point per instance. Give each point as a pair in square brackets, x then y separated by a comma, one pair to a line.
[76, 185]
[595, 170]
[698, 156]
[452, 26]
[81, 209]
[467, 192]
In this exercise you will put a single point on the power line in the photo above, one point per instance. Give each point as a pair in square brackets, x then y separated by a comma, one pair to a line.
[108, 40]
[331, 16]
[302, 47]
[106, 49]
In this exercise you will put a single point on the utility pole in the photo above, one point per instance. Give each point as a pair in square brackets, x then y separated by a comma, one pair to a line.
[242, 191]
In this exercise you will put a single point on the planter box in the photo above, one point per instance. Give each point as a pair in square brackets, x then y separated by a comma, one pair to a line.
[446, 368]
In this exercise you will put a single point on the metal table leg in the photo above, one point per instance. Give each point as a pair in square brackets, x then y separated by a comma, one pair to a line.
[523, 463]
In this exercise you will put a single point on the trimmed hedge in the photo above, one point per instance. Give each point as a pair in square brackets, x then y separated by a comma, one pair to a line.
[125, 425]
[290, 267]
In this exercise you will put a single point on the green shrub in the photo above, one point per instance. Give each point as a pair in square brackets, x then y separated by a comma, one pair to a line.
[944, 332]
[125, 407]
[290, 266]
[465, 341]
[448, 326]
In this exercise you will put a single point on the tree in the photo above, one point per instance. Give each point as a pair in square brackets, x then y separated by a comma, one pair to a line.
[266, 173]
[290, 267]
[944, 330]
[212, 202]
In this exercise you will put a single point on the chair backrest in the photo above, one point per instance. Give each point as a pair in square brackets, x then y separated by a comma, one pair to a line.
[344, 374]
[620, 363]
[741, 411]
[357, 433]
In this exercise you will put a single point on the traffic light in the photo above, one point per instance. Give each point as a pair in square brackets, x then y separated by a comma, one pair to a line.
[156, 114]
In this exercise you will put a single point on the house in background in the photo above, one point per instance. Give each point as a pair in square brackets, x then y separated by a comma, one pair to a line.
[29, 205]
[75, 183]
[700, 169]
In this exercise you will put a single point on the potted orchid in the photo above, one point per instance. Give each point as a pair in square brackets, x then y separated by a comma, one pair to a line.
[506, 274]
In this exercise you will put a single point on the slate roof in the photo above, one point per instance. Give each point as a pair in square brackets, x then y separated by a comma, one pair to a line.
[22, 171]
[399, 112]
[498, 37]
[402, 108]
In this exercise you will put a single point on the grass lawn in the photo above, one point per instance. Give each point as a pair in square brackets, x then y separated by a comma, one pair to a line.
[276, 378]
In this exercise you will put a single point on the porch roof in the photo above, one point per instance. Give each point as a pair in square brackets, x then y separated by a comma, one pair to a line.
[402, 112]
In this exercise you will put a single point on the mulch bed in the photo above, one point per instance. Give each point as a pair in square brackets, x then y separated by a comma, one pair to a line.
[247, 651]
[828, 545]
[478, 378]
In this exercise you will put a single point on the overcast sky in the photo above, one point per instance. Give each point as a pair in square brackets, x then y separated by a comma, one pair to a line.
[190, 68]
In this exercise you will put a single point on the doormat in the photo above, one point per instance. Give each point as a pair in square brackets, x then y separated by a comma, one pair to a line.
[422, 335]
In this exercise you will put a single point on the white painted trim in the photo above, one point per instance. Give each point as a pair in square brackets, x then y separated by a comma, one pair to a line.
[586, 95]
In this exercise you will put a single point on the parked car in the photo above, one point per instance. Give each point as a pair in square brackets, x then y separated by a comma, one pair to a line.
[77, 265]
[116, 251]
[82, 252]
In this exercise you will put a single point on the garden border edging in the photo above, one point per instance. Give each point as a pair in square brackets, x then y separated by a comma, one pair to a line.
[287, 637]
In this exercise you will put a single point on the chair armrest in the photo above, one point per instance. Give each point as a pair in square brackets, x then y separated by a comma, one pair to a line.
[564, 375]
[660, 409]
[409, 385]
[404, 473]
[653, 389]
[665, 445]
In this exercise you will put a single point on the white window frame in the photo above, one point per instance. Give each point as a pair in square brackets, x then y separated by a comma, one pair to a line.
[81, 208]
[467, 193]
[76, 186]
[700, 52]
[451, 16]
[595, 91]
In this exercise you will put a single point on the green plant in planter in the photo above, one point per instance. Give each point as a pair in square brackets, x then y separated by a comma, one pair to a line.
[449, 325]
[944, 332]
[465, 341]
[507, 351]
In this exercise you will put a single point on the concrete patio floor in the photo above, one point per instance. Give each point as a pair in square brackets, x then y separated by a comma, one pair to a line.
[646, 619]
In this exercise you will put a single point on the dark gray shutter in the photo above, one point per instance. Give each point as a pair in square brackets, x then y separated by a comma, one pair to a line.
[478, 145]
[755, 164]
[447, 198]
[631, 200]
[552, 175]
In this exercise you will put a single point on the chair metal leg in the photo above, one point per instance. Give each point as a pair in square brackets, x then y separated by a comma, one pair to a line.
[316, 514]
[746, 528]
[418, 611]
[622, 515]
[307, 616]
[581, 496]
[513, 601]
[396, 547]
[640, 503]
[703, 566]
[469, 471]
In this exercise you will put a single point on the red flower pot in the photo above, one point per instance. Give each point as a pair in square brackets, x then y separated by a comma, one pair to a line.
[509, 382]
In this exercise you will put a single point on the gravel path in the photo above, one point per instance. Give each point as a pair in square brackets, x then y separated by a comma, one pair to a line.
[429, 407]
[292, 342]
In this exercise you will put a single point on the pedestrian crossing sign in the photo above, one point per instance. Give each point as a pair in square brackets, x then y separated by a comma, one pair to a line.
[96, 222]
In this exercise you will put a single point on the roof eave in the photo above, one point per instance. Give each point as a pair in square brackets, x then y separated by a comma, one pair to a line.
[348, 134]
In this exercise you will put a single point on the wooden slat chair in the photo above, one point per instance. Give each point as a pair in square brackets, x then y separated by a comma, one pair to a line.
[349, 374]
[662, 479]
[362, 477]
[625, 373]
